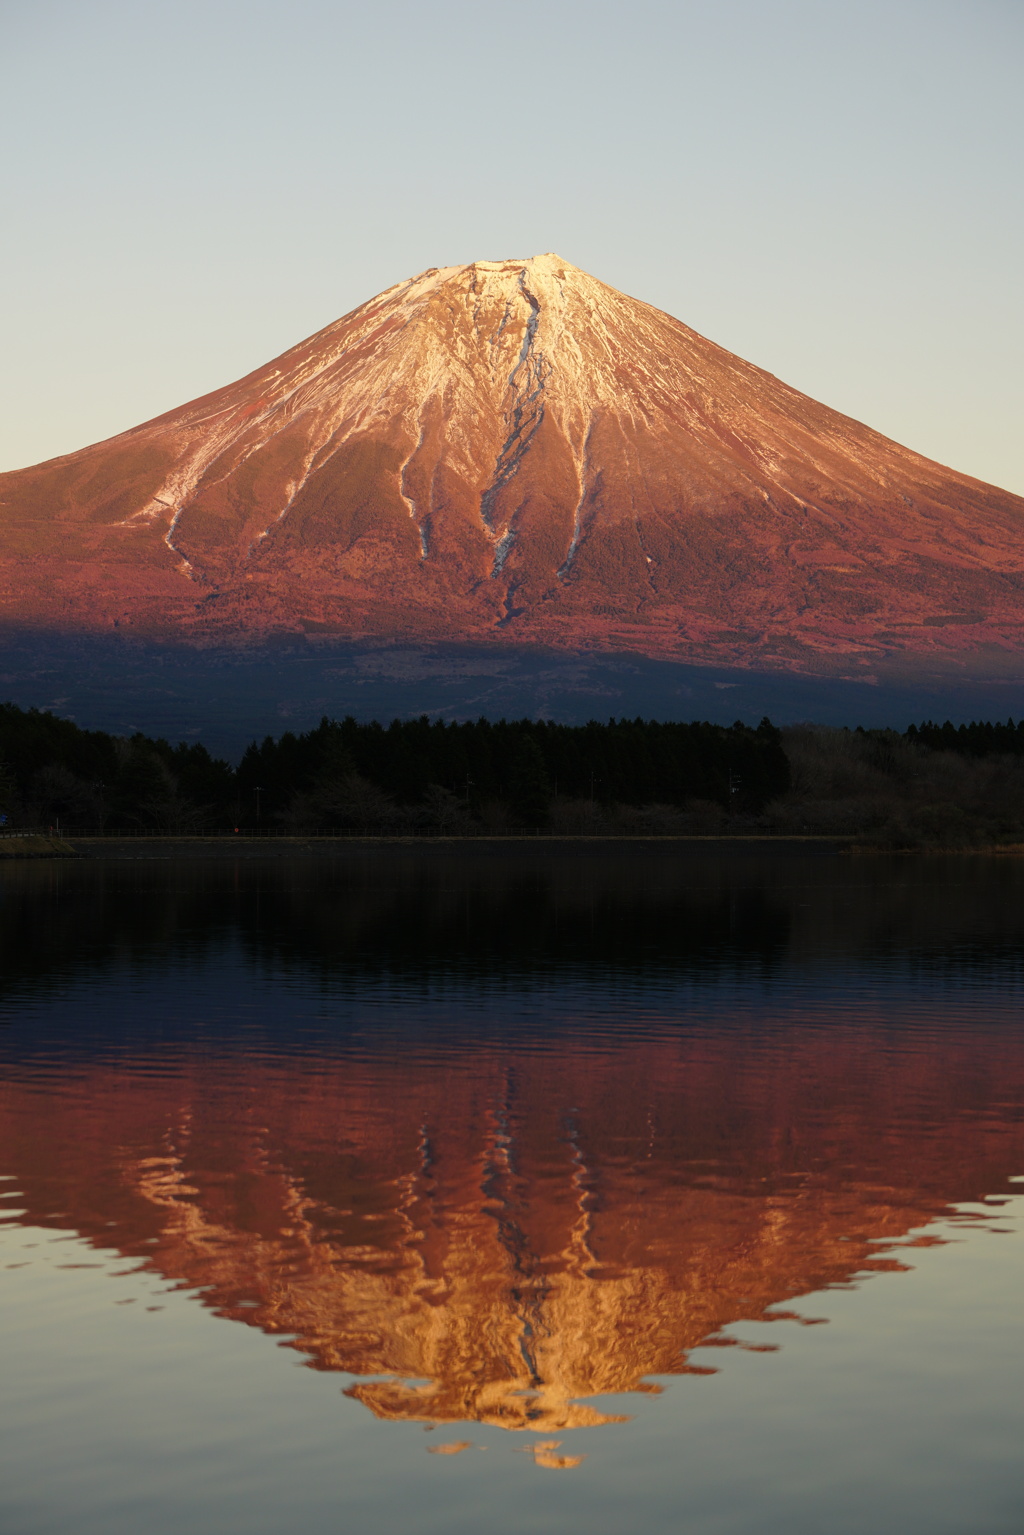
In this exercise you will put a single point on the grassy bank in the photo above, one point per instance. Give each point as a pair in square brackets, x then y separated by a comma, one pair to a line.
[31, 846]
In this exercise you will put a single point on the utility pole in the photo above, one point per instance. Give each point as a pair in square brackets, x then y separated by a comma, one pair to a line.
[257, 791]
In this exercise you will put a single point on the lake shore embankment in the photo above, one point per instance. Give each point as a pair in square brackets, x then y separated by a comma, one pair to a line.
[275, 847]
[34, 846]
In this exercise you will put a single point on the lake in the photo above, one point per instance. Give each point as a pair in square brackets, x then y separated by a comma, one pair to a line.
[512, 1188]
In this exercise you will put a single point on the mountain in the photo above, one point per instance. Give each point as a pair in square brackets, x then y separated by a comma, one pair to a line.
[485, 1240]
[513, 453]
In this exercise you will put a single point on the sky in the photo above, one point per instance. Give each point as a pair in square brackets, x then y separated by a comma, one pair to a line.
[833, 189]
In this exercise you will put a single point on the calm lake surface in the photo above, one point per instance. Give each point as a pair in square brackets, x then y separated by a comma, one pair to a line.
[512, 1191]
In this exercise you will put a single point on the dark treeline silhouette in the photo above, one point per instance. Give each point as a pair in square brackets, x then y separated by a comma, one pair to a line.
[978, 739]
[521, 773]
[410, 776]
[932, 785]
[53, 772]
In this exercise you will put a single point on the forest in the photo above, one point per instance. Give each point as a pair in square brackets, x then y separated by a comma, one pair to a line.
[930, 786]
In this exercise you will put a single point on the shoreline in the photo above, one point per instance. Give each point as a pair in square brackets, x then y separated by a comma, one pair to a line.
[242, 846]
[33, 845]
[147, 846]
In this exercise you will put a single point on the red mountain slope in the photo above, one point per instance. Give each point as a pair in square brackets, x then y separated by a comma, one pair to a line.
[514, 451]
[496, 1256]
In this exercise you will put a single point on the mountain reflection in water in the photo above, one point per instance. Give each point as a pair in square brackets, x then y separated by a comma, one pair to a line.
[499, 1212]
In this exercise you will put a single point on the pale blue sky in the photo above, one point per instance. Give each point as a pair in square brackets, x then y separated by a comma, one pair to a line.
[831, 188]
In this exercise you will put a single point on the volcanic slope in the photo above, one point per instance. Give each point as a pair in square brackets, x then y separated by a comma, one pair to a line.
[514, 452]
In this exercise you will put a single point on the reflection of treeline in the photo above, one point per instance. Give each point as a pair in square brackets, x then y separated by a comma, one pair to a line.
[938, 785]
[404, 909]
[462, 917]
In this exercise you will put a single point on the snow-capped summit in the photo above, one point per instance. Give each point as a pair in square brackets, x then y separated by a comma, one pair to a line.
[513, 450]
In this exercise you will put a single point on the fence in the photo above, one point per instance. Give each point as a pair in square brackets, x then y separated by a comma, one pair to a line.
[149, 834]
